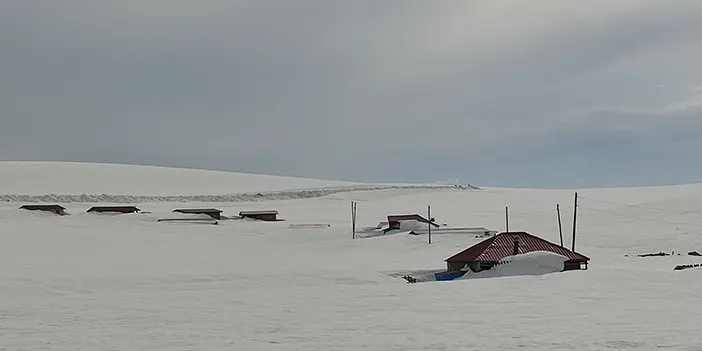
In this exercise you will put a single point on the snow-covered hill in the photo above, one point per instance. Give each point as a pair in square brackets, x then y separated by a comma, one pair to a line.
[111, 183]
[94, 282]
[37, 178]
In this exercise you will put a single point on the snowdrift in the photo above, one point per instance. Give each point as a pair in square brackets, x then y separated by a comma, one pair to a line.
[531, 263]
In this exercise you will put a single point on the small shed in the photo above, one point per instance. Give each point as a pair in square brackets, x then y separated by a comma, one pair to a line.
[264, 215]
[212, 212]
[57, 209]
[114, 209]
[487, 253]
[394, 220]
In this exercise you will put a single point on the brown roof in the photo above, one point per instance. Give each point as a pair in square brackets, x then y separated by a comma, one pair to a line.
[501, 245]
[42, 207]
[253, 213]
[197, 210]
[409, 217]
[123, 209]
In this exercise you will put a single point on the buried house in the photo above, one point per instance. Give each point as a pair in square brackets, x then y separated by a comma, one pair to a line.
[212, 212]
[57, 209]
[265, 215]
[487, 253]
[114, 209]
[395, 221]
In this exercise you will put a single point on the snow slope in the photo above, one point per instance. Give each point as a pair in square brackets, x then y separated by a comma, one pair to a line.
[112, 183]
[101, 282]
[37, 178]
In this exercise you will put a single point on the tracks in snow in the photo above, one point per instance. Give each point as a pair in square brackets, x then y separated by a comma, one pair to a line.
[241, 197]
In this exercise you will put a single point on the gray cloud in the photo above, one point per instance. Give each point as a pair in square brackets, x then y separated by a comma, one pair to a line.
[356, 90]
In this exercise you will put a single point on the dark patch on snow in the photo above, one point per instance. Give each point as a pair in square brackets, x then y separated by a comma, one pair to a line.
[686, 266]
[654, 254]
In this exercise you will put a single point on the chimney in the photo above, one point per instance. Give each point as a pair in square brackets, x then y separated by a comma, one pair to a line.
[515, 249]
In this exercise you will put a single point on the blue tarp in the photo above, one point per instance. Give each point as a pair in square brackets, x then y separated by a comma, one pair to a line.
[449, 275]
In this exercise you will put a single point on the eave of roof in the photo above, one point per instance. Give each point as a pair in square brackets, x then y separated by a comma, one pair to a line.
[501, 245]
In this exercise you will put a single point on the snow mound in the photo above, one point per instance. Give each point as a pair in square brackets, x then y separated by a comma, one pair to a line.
[531, 263]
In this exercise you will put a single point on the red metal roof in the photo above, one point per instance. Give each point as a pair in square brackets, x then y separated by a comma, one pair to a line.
[502, 245]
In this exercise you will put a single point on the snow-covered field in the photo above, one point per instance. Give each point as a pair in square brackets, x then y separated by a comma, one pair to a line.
[105, 282]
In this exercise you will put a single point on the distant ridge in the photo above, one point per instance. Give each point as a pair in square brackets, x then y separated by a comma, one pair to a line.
[242, 197]
[69, 182]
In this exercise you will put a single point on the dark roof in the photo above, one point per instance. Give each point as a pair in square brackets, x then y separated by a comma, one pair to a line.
[253, 213]
[123, 209]
[409, 217]
[501, 245]
[197, 210]
[42, 207]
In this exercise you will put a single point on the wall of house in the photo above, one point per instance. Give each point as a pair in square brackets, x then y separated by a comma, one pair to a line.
[58, 211]
[570, 266]
[455, 266]
[264, 217]
[474, 266]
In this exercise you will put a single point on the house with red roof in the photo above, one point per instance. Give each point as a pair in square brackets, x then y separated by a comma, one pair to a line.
[394, 220]
[489, 252]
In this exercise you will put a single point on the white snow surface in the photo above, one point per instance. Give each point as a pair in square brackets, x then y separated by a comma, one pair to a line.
[126, 282]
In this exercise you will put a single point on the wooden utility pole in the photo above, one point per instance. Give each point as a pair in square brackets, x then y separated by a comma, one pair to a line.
[429, 218]
[560, 227]
[353, 218]
[507, 219]
[575, 218]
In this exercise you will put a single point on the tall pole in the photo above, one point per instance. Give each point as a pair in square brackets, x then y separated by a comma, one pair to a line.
[575, 218]
[560, 227]
[506, 219]
[353, 218]
[429, 218]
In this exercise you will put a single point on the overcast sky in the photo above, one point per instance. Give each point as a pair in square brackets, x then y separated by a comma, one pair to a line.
[504, 93]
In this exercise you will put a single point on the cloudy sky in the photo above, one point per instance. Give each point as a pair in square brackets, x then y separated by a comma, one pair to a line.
[504, 93]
